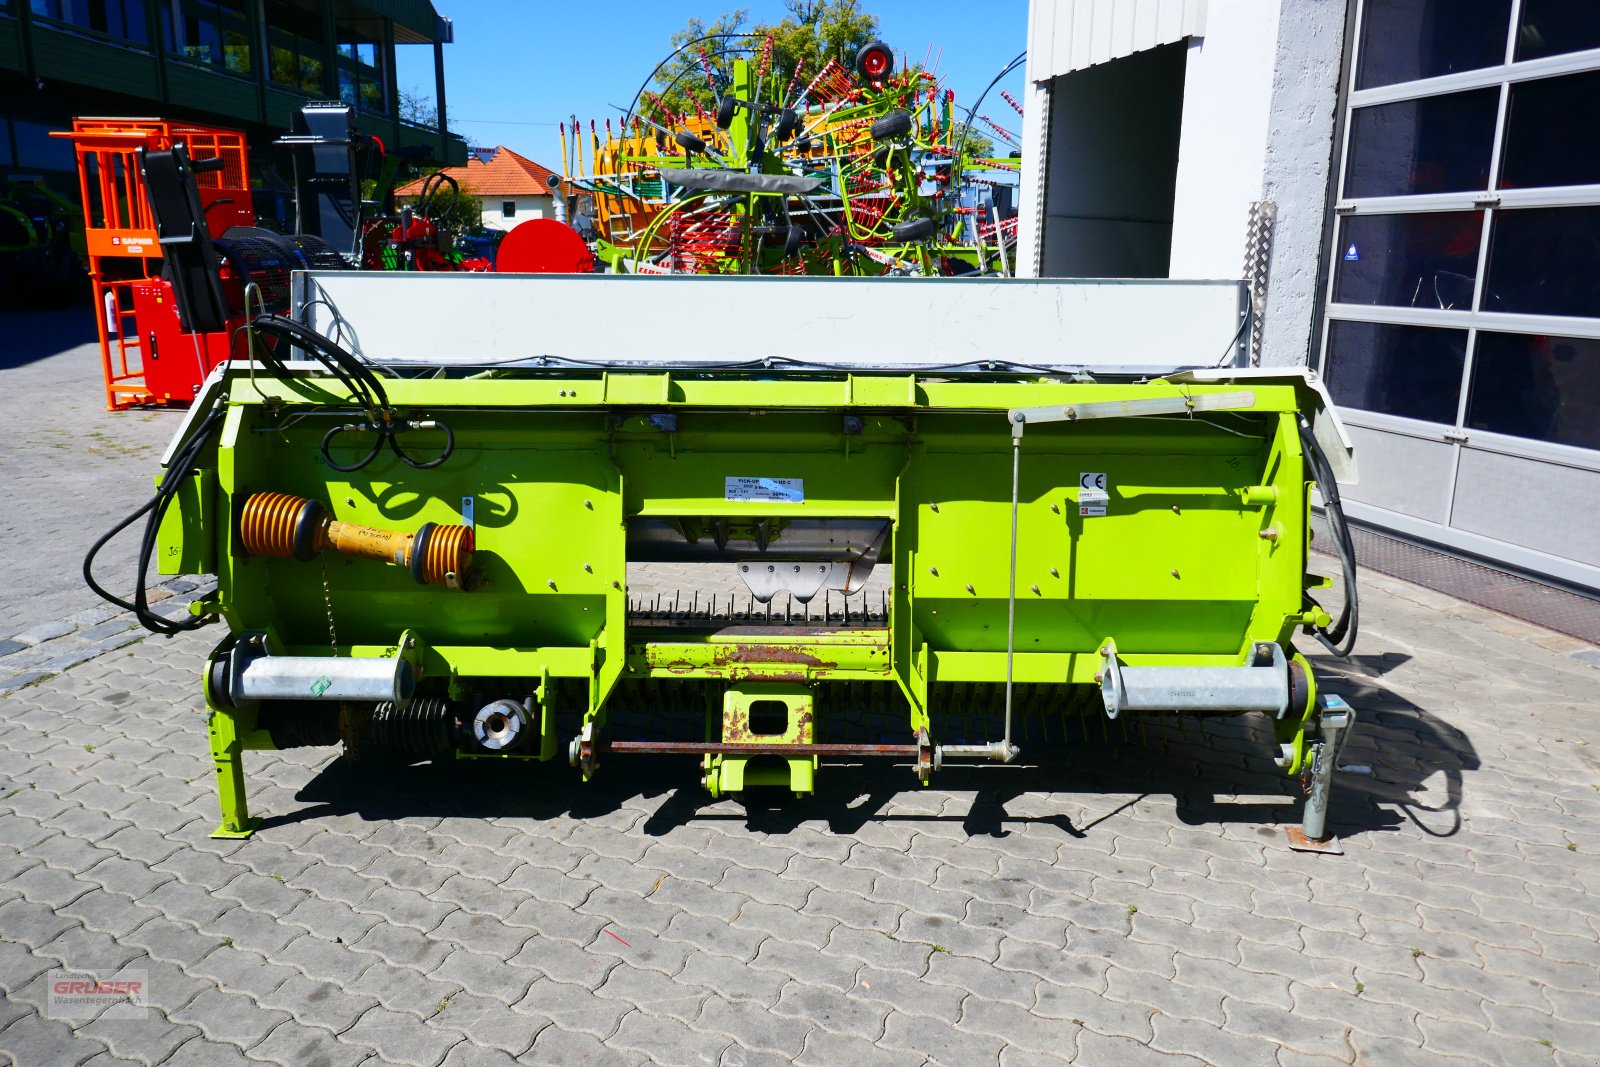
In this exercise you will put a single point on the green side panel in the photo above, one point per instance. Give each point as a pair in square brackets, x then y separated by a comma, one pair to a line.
[183, 543]
[219, 94]
[416, 16]
[84, 61]
[281, 107]
[10, 45]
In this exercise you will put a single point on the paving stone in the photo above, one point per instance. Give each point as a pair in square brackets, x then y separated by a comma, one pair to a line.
[827, 1049]
[318, 1003]
[229, 1018]
[294, 1045]
[678, 999]
[149, 1040]
[36, 1040]
[566, 963]
[44, 631]
[573, 1007]
[503, 920]
[400, 1038]
[1093, 1047]
[668, 1042]
[1099, 1013]
[840, 1013]
[964, 972]
[941, 1045]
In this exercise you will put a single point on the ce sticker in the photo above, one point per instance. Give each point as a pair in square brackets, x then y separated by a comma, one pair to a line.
[1092, 481]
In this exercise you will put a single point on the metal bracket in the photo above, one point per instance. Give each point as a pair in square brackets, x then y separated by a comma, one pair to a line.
[1125, 409]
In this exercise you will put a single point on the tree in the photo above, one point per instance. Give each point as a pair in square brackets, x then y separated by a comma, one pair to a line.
[414, 106]
[813, 32]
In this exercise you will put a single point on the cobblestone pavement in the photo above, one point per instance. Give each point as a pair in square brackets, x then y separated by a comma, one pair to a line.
[70, 470]
[1110, 902]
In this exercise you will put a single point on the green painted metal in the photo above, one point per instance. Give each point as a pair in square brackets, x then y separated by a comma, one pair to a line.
[1200, 556]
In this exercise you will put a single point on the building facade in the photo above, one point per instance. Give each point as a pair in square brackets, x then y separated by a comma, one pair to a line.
[243, 64]
[511, 187]
[1408, 187]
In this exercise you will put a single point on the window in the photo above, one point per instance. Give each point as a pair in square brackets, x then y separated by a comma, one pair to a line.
[1436, 144]
[1544, 388]
[360, 57]
[1551, 27]
[124, 19]
[213, 32]
[37, 150]
[1412, 371]
[294, 47]
[508, 209]
[1544, 115]
[1426, 260]
[1542, 261]
[1403, 40]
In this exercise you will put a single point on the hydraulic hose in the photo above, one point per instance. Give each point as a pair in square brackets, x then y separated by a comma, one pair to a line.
[178, 474]
[1340, 637]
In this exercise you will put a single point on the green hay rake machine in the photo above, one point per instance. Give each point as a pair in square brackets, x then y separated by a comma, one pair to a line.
[423, 527]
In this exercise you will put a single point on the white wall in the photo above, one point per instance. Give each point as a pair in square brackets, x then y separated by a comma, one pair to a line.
[528, 207]
[1305, 92]
[1227, 98]
[1260, 91]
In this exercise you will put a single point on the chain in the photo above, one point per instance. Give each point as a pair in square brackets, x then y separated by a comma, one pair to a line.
[327, 606]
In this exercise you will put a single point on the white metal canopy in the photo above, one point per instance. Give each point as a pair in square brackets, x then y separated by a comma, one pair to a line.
[800, 323]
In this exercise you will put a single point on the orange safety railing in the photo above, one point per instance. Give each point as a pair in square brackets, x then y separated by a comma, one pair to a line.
[120, 231]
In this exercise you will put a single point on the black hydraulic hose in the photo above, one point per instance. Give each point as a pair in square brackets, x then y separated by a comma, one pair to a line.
[178, 474]
[361, 379]
[1340, 637]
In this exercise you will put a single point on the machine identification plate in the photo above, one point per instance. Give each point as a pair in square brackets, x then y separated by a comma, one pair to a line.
[1093, 494]
[772, 490]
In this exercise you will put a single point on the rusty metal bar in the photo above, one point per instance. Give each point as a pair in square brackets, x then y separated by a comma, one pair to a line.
[717, 748]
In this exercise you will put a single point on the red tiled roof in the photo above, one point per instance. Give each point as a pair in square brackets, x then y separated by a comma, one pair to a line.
[506, 174]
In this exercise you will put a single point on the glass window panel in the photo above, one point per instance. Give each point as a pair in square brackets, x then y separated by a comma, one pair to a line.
[1412, 371]
[1546, 388]
[1435, 144]
[1551, 27]
[1545, 261]
[37, 150]
[1402, 40]
[1543, 146]
[1426, 260]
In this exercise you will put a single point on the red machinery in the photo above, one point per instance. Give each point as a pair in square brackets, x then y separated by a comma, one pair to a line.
[125, 256]
[543, 246]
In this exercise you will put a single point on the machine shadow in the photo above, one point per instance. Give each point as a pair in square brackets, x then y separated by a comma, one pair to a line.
[33, 335]
[1216, 771]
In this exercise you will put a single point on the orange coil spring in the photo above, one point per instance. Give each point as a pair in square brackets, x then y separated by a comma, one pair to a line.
[268, 523]
[448, 552]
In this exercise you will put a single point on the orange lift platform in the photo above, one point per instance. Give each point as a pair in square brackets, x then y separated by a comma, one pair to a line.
[132, 303]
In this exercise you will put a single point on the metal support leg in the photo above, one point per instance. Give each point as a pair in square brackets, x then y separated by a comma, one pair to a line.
[227, 752]
[1336, 719]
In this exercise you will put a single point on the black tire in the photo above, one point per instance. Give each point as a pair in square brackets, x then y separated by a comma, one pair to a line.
[875, 61]
[803, 145]
[788, 125]
[880, 158]
[791, 243]
[725, 109]
[893, 126]
[689, 142]
[912, 231]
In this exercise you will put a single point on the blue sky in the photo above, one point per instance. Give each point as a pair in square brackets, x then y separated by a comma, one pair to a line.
[518, 67]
